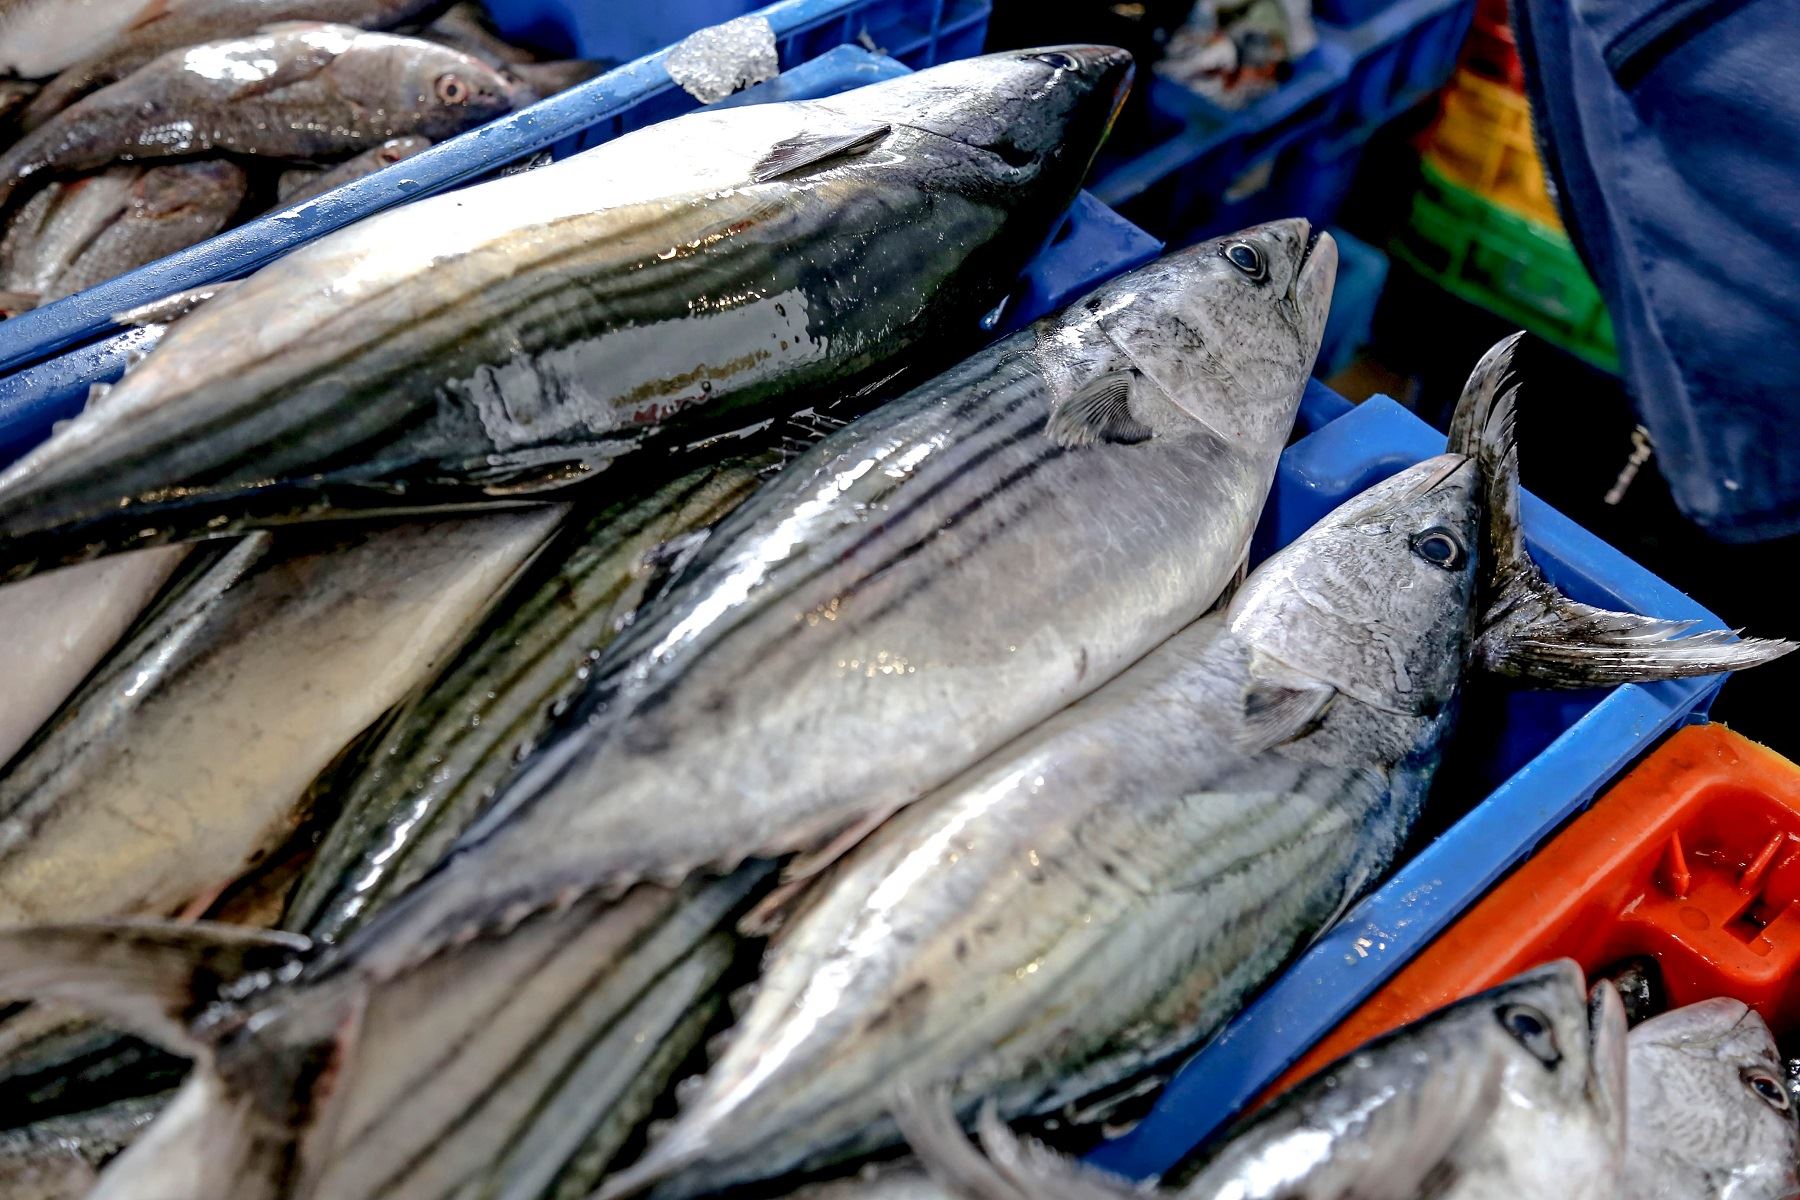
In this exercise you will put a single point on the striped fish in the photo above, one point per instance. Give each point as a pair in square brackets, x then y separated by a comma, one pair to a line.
[929, 581]
[512, 337]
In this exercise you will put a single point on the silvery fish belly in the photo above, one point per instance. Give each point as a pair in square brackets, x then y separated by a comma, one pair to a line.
[187, 754]
[1103, 893]
[530, 331]
[928, 582]
[58, 626]
[1710, 1113]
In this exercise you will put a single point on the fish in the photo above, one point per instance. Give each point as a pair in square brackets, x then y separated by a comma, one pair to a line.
[125, 218]
[1710, 1113]
[565, 1033]
[1516, 1091]
[87, 44]
[299, 91]
[1100, 896]
[462, 733]
[852, 603]
[725, 267]
[51, 229]
[304, 183]
[61, 1158]
[465, 26]
[59, 626]
[185, 757]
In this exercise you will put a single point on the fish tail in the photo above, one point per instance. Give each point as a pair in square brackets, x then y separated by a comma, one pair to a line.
[1011, 1168]
[225, 1136]
[1529, 629]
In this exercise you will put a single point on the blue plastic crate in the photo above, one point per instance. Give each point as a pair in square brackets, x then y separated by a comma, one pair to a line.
[916, 32]
[1362, 273]
[1093, 244]
[1556, 751]
[1201, 167]
[1401, 53]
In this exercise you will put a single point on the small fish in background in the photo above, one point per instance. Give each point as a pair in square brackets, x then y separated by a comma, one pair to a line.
[301, 91]
[1516, 1092]
[1711, 1117]
[305, 183]
[1232, 51]
[87, 45]
[1640, 985]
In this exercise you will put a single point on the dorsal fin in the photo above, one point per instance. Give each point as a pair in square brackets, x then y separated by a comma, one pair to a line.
[804, 151]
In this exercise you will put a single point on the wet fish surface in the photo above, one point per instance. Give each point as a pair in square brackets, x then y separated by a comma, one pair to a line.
[528, 331]
[61, 1158]
[1711, 1118]
[835, 649]
[299, 91]
[301, 185]
[1517, 1091]
[448, 747]
[186, 755]
[89, 43]
[60, 625]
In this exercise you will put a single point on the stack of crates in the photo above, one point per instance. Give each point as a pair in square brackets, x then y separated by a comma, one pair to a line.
[1484, 226]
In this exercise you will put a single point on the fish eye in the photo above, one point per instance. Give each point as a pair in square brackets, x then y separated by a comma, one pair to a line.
[451, 89]
[1439, 547]
[1057, 59]
[1248, 259]
[1531, 1029]
[1770, 1089]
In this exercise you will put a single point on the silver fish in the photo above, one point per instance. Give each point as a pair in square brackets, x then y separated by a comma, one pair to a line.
[61, 1158]
[303, 184]
[1033, 933]
[1514, 1092]
[60, 625]
[840, 645]
[457, 739]
[1710, 1114]
[51, 229]
[1029, 932]
[165, 209]
[90, 43]
[465, 26]
[298, 91]
[533, 329]
[186, 755]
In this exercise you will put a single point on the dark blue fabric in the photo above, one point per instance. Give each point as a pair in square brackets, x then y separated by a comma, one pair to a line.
[1671, 132]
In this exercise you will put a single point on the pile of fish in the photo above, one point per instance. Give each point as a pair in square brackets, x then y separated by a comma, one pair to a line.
[606, 683]
[136, 128]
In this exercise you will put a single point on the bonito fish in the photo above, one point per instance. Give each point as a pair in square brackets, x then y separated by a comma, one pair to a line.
[187, 754]
[528, 331]
[1105, 892]
[93, 42]
[1711, 1118]
[61, 1158]
[299, 91]
[1514, 1092]
[929, 581]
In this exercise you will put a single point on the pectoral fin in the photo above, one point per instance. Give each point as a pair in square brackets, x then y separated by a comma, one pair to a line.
[805, 151]
[1279, 708]
[1099, 412]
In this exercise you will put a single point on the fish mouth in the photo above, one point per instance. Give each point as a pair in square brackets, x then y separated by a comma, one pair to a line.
[1606, 1053]
[1314, 280]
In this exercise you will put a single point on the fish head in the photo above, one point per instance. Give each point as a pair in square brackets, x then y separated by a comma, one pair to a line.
[451, 91]
[1709, 1111]
[1041, 112]
[181, 188]
[1218, 337]
[1376, 601]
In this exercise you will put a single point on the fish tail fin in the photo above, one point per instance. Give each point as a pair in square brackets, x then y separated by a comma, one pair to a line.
[1011, 1168]
[1530, 630]
[229, 1134]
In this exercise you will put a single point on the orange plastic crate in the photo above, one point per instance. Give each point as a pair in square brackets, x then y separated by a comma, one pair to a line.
[1692, 859]
[1482, 141]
